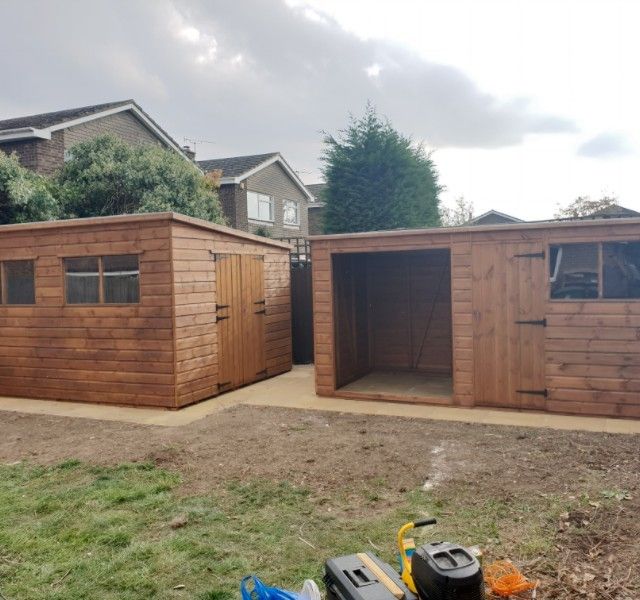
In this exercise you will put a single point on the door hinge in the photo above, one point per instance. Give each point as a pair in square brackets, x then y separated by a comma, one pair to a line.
[221, 318]
[219, 306]
[260, 302]
[542, 322]
[544, 392]
[530, 255]
[261, 312]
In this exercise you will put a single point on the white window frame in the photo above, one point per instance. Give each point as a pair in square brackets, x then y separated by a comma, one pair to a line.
[284, 213]
[262, 200]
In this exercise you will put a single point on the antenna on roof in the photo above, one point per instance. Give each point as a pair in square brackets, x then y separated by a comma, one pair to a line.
[196, 142]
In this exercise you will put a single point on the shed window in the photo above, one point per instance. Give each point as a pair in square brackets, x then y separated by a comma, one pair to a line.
[291, 212]
[574, 271]
[259, 206]
[621, 270]
[106, 279]
[121, 279]
[17, 282]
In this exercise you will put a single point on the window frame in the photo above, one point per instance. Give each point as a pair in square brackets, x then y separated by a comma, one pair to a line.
[3, 282]
[101, 301]
[296, 203]
[600, 270]
[272, 212]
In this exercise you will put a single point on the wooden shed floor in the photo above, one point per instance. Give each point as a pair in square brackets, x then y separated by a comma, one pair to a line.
[400, 384]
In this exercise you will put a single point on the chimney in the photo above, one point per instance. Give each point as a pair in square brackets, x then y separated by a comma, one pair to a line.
[189, 152]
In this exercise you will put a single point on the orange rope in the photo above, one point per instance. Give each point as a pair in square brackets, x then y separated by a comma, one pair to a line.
[504, 579]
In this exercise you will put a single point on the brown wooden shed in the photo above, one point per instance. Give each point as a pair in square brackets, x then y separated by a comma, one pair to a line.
[156, 309]
[540, 316]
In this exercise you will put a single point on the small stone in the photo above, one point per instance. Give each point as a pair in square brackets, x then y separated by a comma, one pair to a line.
[178, 522]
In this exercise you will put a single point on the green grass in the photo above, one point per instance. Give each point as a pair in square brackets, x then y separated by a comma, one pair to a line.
[75, 531]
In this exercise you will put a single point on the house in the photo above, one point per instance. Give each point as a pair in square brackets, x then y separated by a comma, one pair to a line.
[529, 316]
[317, 208]
[493, 217]
[262, 193]
[615, 211]
[156, 309]
[43, 142]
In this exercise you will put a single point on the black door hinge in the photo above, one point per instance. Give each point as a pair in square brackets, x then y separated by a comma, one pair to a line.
[219, 306]
[221, 318]
[261, 312]
[544, 392]
[530, 255]
[260, 302]
[542, 322]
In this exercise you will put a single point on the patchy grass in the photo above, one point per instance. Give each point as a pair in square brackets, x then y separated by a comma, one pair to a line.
[76, 531]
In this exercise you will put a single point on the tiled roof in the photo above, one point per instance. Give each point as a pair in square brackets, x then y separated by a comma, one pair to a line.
[235, 166]
[317, 190]
[60, 116]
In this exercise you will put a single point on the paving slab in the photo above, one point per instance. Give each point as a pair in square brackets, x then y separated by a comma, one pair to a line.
[295, 389]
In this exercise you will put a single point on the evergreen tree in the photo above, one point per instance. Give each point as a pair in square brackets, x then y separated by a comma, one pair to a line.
[377, 179]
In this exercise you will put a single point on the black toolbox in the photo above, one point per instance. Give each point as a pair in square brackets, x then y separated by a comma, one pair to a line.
[349, 578]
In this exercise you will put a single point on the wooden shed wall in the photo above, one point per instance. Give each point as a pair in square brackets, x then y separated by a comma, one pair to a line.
[591, 347]
[194, 276]
[120, 354]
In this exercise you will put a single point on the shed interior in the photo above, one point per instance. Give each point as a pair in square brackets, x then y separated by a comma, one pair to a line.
[392, 324]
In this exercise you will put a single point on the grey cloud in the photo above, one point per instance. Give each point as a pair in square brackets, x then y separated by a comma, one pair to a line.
[295, 77]
[605, 145]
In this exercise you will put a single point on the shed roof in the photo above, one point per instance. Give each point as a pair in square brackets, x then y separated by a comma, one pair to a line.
[138, 218]
[466, 229]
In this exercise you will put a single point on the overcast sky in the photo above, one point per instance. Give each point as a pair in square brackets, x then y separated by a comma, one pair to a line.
[525, 103]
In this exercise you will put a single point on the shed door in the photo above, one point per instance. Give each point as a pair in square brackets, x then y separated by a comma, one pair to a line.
[508, 325]
[240, 319]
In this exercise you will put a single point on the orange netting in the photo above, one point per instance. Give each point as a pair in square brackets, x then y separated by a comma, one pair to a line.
[504, 579]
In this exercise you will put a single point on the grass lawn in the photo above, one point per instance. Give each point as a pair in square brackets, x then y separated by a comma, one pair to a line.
[77, 531]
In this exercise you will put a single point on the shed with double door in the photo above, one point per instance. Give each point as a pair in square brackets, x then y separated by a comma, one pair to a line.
[156, 310]
[536, 316]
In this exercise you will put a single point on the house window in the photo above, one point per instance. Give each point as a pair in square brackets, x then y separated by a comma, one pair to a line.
[259, 206]
[102, 280]
[621, 270]
[574, 271]
[291, 213]
[17, 282]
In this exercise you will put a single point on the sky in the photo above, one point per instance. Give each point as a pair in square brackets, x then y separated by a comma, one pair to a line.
[524, 104]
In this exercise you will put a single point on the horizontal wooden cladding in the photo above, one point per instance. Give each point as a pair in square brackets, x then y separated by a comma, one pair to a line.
[121, 354]
[194, 286]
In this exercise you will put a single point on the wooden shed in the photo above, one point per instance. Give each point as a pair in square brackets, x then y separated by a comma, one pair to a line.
[540, 316]
[156, 309]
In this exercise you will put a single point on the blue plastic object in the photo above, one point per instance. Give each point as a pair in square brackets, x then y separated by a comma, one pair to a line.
[260, 591]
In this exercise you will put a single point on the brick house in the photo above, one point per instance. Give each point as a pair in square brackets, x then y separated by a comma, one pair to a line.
[42, 142]
[262, 192]
[317, 208]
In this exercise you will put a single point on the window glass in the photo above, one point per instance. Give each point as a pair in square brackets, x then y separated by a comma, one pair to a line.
[121, 279]
[574, 271]
[19, 282]
[259, 206]
[291, 215]
[82, 280]
[621, 269]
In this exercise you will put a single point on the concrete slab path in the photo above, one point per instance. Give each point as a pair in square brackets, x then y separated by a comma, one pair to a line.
[296, 390]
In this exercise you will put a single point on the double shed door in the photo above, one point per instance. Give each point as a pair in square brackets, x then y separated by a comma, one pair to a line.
[240, 315]
[509, 300]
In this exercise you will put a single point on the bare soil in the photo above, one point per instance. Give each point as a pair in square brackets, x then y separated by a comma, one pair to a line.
[333, 453]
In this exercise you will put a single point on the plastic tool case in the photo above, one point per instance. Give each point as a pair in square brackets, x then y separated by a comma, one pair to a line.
[349, 578]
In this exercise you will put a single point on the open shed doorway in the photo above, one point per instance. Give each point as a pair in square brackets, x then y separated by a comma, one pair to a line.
[392, 325]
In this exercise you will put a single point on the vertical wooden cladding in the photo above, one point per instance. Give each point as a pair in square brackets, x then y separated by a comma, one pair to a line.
[97, 353]
[196, 281]
[587, 357]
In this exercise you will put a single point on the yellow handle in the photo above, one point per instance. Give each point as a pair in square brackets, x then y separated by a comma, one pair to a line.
[406, 563]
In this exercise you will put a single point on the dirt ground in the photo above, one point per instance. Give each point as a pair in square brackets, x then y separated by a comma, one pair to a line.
[332, 452]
